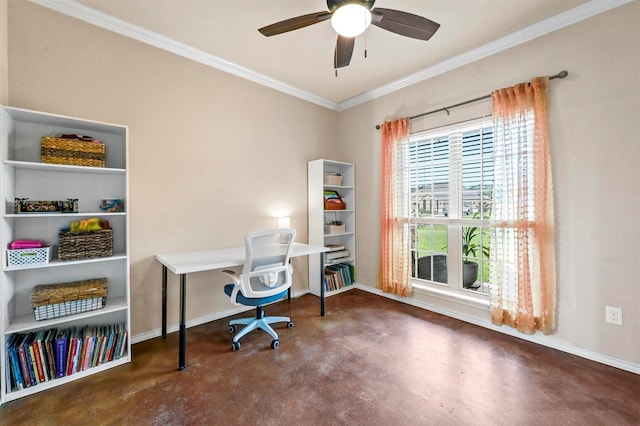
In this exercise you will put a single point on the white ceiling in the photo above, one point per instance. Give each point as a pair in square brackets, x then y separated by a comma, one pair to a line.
[223, 34]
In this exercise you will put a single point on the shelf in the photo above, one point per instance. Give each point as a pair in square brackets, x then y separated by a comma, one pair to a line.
[28, 322]
[28, 165]
[338, 186]
[66, 379]
[340, 290]
[337, 235]
[56, 263]
[336, 262]
[79, 214]
[339, 211]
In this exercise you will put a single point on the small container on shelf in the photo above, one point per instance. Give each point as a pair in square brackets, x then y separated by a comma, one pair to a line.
[332, 179]
[332, 229]
[28, 256]
[73, 150]
[333, 201]
[85, 245]
[111, 205]
[24, 205]
[51, 301]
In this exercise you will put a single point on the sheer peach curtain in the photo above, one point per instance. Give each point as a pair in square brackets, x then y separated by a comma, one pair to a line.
[522, 260]
[393, 276]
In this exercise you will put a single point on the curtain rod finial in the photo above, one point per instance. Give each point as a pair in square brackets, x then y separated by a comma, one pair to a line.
[562, 74]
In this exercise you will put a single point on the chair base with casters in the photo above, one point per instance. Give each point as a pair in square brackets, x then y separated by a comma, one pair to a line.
[261, 321]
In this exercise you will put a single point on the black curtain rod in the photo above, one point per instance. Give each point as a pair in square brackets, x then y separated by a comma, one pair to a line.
[561, 74]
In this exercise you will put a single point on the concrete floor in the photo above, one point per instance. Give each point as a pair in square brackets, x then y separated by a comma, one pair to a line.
[369, 361]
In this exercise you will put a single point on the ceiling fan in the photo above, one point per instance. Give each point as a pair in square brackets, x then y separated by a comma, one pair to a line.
[350, 18]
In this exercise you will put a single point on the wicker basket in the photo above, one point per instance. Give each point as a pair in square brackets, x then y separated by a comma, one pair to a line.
[74, 152]
[85, 245]
[59, 300]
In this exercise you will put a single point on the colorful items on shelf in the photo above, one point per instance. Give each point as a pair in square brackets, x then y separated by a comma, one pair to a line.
[91, 224]
[24, 205]
[111, 205]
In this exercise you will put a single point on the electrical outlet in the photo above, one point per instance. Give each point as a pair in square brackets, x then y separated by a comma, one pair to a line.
[613, 315]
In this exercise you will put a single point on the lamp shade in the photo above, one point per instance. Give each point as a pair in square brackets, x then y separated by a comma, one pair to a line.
[283, 222]
[351, 20]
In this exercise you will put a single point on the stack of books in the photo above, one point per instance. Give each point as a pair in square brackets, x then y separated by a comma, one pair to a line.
[44, 355]
[336, 254]
[338, 276]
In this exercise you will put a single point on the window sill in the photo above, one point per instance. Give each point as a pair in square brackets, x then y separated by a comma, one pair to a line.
[477, 301]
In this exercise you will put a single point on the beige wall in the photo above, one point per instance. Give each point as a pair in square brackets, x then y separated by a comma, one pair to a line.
[212, 156]
[205, 147]
[4, 73]
[595, 128]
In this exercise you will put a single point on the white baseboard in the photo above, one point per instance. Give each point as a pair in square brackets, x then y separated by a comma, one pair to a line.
[538, 338]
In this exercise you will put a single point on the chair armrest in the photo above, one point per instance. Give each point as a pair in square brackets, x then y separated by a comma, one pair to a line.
[231, 274]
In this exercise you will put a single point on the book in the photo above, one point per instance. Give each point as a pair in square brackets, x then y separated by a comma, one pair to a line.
[73, 347]
[334, 247]
[78, 351]
[61, 353]
[89, 347]
[50, 352]
[35, 348]
[15, 366]
[16, 381]
[24, 365]
[28, 351]
[109, 350]
[124, 342]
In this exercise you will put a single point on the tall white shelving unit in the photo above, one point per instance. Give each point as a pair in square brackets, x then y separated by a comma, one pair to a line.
[318, 217]
[24, 175]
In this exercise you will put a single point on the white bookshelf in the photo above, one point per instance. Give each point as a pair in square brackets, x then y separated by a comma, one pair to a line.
[318, 217]
[25, 176]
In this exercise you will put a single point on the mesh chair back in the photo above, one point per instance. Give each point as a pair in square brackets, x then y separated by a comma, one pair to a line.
[267, 270]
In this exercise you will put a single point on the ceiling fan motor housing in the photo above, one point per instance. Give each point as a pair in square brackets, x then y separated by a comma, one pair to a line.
[334, 5]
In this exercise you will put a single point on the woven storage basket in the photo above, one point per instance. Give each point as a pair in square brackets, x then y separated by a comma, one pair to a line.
[72, 152]
[85, 245]
[59, 300]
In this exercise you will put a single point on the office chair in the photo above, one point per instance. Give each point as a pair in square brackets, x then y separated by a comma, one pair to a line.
[265, 278]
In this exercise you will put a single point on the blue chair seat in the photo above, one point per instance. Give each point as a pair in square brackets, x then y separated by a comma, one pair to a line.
[228, 289]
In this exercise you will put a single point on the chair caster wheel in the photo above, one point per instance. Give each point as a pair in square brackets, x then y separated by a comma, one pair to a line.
[290, 324]
[275, 343]
[235, 346]
[232, 329]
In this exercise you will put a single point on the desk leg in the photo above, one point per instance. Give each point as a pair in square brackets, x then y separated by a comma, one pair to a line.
[182, 363]
[322, 284]
[164, 302]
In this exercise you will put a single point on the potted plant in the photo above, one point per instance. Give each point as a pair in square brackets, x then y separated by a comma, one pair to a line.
[471, 247]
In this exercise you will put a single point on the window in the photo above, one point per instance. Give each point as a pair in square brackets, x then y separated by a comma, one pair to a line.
[450, 172]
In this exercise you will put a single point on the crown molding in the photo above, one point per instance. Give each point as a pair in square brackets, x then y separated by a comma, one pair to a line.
[559, 21]
[562, 20]
[102, 20]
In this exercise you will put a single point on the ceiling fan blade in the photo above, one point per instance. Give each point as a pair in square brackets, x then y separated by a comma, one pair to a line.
[294, 23]
[344, 50]
[403, 23]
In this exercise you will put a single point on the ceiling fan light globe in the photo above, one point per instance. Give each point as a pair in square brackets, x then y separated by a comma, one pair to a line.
[351, 20]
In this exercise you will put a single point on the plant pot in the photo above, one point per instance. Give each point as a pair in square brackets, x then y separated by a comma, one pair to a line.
[469, 273]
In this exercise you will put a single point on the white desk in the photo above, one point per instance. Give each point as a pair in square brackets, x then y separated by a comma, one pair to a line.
[205, 260]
